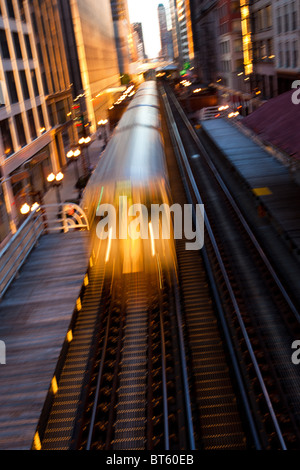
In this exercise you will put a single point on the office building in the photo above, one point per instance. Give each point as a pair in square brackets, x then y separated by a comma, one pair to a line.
[27, 144]
[92, 59]
[125, 46]
[286, 21]
[183, 43]
[138, 29]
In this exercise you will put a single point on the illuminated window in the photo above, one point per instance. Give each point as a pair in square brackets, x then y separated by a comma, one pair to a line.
[6, 137]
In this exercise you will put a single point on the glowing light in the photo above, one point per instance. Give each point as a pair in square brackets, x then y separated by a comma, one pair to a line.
[35, 207]
[59, 176]
[109, 245]
[51, 178]
[81, 141]
[231, 115]
[37, 442]
[70, 154]
[77, 153]
[54, 385]
[25, 209]
[223, 108]
[246, 37]
[42, 129]
[152, 239]
[69, 336]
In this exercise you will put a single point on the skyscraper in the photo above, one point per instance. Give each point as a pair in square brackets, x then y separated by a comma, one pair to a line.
[137, 27]
[123, 35]
[182, 31]
[92, 57]
[28, 146]
[162, 19]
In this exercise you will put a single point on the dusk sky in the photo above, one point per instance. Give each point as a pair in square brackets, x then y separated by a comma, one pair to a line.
[145, 11]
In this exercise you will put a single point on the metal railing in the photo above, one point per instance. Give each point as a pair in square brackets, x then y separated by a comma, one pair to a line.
[67, 216]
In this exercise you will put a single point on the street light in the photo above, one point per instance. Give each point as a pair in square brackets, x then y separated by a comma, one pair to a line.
[72, 155]
[102, 124]
[56, 180]
[25, 209]
[84, 142]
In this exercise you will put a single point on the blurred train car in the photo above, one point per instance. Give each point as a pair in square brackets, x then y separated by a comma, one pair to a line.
[130, 178]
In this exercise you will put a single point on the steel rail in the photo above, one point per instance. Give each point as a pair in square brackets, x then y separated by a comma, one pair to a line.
[236, 209]
[188, 406]
[225, 274]
[164, 383]
[99, 380]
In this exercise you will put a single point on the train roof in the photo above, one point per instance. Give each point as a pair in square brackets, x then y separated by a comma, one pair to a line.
[140, 116]
[144, 100]
[134, 155]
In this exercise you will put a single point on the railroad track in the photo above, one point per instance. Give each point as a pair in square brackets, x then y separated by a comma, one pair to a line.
[137, 396]
[261, 317]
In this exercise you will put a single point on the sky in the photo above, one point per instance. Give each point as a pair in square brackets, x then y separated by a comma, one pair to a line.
[145, 12]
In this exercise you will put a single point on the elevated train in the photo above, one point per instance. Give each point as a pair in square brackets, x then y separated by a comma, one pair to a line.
[131, 172]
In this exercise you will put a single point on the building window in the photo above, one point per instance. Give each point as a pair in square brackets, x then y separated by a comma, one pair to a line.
[16, 40]
[286, 19]
[268, 17]
[1, 96]
[3, 44]
[28, 46]
[280, 55]
[51, 114]
[61, 112]
[24, 84]
[10, 82]
[10, 9]
[294, 17]
[20, 130]
[270, 49]
[34, 83]
[6, 138]
[31, 124]
[41, 117]
[295, 54]
[287, 56]
[279, 27]
[4, 221]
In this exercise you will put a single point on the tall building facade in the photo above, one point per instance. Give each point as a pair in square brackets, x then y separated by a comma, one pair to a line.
[92, 57]
[231, 61]
[264, 72]
[123, 35]
[183, 42]
[47, 30]
[205, 24]
[286, 21]
[28, 150]
[138, 29]
[163, 30]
